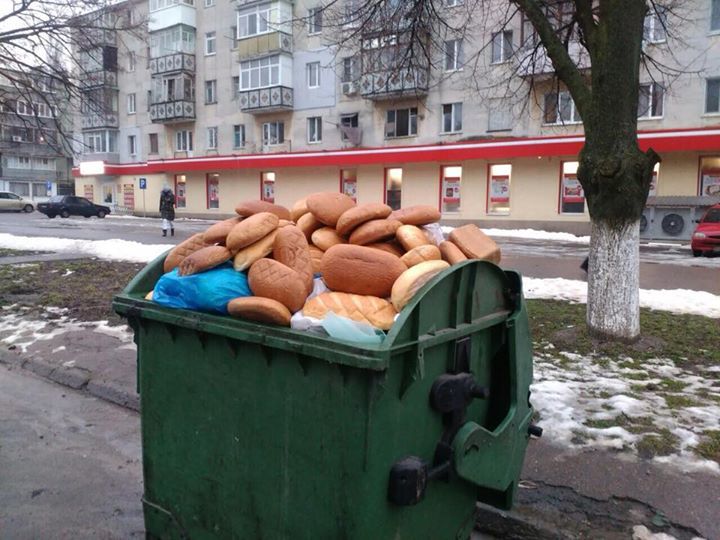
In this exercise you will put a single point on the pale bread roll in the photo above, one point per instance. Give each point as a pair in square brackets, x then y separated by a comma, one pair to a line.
[417, 215]
[358, 215]
[308, 225]
[368, 309]
[299, 209]
[284, 223]
[360, 270]
[182, 250]
[374, 231]
[272, 279]
[327, 207]
[216, 234]
[412, 280]
[475, 244]
[204, 259]
[250, 208]
[451, 253]
[421, 254]
[411, 237]
[291, 249]
[254, 252]
[250, 230]
[326, 237]
[256, 308]
[316, 255]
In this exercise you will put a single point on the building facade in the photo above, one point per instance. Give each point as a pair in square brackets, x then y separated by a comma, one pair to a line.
[226, 101]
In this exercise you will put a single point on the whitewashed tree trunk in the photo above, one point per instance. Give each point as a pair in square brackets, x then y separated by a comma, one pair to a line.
[613, 308]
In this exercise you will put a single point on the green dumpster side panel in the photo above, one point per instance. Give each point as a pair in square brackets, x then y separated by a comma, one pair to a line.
[251, 431]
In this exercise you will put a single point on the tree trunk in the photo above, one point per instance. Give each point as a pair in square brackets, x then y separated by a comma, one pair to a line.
[613, 308]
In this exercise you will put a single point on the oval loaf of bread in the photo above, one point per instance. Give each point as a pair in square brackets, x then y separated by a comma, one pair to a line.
[250, 230]
[326, 238]
[204, 259]
[374, 231]
[182, 250]
[360, 214]
[360, 270]
[327, 207]
[248, 255]
[411, 237]
[417, 215]
[250, 208]
[217, 233]
[308, 225]
[272, 279]
[375, 311]
[421, 254]
[257, 308]
[412, 280]
[299, 209]
[291, 249]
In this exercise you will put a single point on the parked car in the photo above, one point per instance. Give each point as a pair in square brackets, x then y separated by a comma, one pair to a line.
[706, 238]
[69, 205]
[14, 202]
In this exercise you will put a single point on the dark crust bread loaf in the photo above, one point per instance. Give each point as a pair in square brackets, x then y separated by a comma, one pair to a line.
[272, 279]
[360, 270]
[417, 215]
[358, 215]
[182, 250]
[256, 308]
[411, 237]
[216, 234]
[250, 208]
[372, 310]
[374, 231]
[327, 207]
[204, 259]
[451, 253]
[475, 244]
[250, 230]
[291, 249]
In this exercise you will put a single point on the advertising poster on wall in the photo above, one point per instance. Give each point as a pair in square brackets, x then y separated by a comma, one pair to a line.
[213, 190]
[500, 189]
[451, 191]
[572, 191]
[710, 183]
[180, 194]
[350, 188]
[268, 191]
[129, 196]
[88, 192]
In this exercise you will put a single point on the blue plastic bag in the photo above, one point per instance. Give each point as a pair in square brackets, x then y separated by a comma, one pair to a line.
[207, 291]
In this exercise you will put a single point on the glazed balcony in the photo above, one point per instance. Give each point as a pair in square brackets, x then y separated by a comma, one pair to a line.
[89, 38]
[178, 110]
[172, 16]
[263, 45]
[172, 63]
[394, 84]
[101, 77]
[266, 100]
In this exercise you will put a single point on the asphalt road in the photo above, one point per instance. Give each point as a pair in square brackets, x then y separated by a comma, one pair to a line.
[668, 266]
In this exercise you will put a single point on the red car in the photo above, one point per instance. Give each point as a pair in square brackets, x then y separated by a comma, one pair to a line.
[706, 238]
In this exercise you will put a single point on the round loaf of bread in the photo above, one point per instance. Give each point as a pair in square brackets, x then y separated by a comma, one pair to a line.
[256, 308]
[374, 231]
[183, 249]
[250, 208]
[308, 225]
[411, 237]
[250, 230]
[475, 244]
[291, 249]
[272, 279]
[360, 270]
[389, 247]
[216, 234]
[204, 259]
[417, 215]
[372, 310]
[360, 214]
[326, 237]
[327, 207]
[412, 280]
[451, 253]
[248, 255]
[421, 254]
[316, 255]
[299, 209]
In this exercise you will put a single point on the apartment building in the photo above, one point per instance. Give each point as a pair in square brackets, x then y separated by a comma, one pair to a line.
[229, 100]
[32, 163]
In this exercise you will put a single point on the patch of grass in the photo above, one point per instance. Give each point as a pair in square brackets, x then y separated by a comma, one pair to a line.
[662, 443]
[673, 385]
[675, 401]
[710, 447]
[638, 424]
[17, 253]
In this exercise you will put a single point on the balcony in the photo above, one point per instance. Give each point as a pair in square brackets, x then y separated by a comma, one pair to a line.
[394, 84]
[172, 16]
[89, 38]
[179, 110]
[96, 121]
[264, 44]
[171, 63]
[266, 100]
[536, 64]
[98, 78]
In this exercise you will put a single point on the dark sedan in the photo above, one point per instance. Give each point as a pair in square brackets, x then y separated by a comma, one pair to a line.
[69, 205]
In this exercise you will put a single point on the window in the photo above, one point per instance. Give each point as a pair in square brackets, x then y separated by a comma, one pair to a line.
[260, 73]
[393, 188]
[451, 177]
[348, 183]
[315, 20]
[654, 29]
[154, 146]
[233, 37]
[210, 92]
[452, 3]
[528, 35]
[452, 117]
[39, 190]
[313, 74]
[209, 3]
[401, 123]
[132, 145]
[212, 138]
[257, 20]
[179, 38]
[160, 4]
[715, 15]
[100, 141]
[23, 107]
[210, 43]
[709, 176]
[131, 61]
[184, 141]
[238, 135]
[212, 183]
[349, 124]
[314, 129]
[560, 109]
[267, 186]
[131, 103]
[273, 133]
[712, 96]
[235, 86]
[44, 164]
[180, 191]
[654, 181]
[20, 188]
[572, 197]
[499, 189]
[453, 55]
[19, 162]
[502, 46]
[149, 99]
[349, 69]
[651, 101]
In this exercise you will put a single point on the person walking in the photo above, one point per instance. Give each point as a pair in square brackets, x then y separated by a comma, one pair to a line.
[167, 210]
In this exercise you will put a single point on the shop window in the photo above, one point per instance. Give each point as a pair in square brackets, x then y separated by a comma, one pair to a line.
[499, 189]
[654, 181]
[451, 177]
[348, 183]
[710, 177]
[108, 191]
[267, 186]
[572, 197]
[393, 188]
[213, 190]
[180, 191]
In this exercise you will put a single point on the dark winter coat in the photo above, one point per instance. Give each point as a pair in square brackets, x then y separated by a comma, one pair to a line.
[167, 205]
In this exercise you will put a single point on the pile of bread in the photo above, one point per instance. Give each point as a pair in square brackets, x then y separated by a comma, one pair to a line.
[372, 259]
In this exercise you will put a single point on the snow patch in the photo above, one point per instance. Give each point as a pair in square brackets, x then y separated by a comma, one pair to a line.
[530, 234]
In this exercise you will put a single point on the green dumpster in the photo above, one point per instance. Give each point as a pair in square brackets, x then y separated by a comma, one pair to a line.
[253, 431]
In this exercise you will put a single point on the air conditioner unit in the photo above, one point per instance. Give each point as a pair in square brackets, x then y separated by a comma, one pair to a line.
[17, 138]
[349, 88]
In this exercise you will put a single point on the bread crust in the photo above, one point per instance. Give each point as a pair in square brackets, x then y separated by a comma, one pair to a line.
[204, 259]
[308, 225]
[182, 250]
[326, 237]
[272, 279]
[316, 255]
[411, 237]
[291, 249]
[299, 209]
[216, 234]
[244, 258]
[420, 254]
[356, 216]
[256, 308]
[412, 280]
[360, 270]
[420, 214]
[475, 244]
[390, 247]
[327, 207]
[250, 230]
[250, 208]
[372, 310]
[451, 253]
[374, 231]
